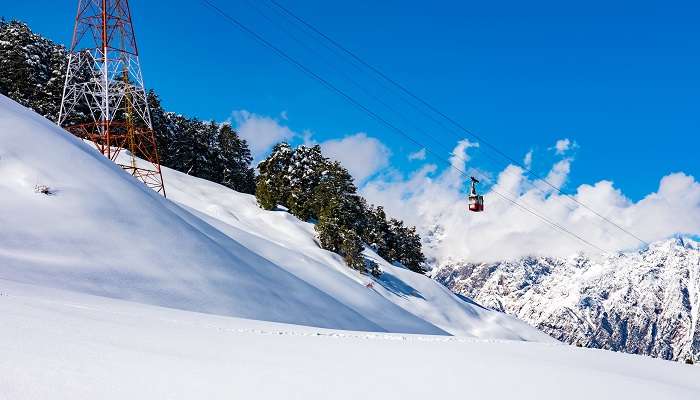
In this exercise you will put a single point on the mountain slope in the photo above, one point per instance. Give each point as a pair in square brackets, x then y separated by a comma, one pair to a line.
[291, 244]
[61, 345]
[645, 302]
[104, 233]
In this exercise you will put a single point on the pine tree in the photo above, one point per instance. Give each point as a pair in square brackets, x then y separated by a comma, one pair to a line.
[376, 230]
[341, 218]
[234, 161]
[351, 249]
[335, 231]
[307, 167]
[393, 242]
[191, 147]
[24, 61]
[33, 71]
[206, 150]
[163, 128]
[404, 246]
[48, 103]
[413, 257]
[335, 181]
[209, 133]
[272, 183]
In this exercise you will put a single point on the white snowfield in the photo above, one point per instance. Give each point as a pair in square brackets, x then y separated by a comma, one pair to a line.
[108, 290]
[65, 345]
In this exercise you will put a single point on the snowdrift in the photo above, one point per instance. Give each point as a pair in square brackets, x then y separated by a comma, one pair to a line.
[206, 248]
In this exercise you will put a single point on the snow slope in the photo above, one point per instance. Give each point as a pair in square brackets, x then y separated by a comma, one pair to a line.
[109, 291]
[66, 345]
[205, 249]
[290, 243]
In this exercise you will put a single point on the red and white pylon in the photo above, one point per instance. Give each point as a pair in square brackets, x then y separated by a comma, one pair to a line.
[104, 99]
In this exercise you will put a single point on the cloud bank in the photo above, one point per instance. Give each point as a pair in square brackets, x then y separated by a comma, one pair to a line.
[434, 200]
[362, 155]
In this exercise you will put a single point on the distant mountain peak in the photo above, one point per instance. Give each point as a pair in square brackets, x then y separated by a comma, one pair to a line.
[645, 301]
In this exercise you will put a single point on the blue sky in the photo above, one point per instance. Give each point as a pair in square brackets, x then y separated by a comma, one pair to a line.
[622, 80]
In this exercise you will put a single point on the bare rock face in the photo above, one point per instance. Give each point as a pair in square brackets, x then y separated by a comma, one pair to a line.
[645, 302]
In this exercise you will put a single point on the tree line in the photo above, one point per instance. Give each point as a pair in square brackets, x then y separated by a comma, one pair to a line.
[309, 185]
[33, 73]
[207, 150]
[313, 187]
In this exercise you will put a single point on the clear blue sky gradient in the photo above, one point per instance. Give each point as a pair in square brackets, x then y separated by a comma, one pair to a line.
[621, 78]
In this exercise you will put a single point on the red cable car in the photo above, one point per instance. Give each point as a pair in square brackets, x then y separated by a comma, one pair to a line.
[476, 201]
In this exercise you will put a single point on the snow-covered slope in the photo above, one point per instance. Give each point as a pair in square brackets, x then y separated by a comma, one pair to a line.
[62, 345]
[291, 244]
[643, 302]
[69, 262]
[206, 248]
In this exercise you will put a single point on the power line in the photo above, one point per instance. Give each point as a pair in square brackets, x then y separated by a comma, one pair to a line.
[362, 88]
[475, 172]
[377, 117]
[433, 138]
[448, 118]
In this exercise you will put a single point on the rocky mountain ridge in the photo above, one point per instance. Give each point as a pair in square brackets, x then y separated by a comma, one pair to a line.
[642, 302]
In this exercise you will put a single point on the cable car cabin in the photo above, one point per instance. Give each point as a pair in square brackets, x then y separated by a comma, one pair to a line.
[476, 201]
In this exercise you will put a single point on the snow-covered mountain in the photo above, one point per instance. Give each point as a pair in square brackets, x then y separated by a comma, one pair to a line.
[205, 248]
[642, 302]
[108, 290]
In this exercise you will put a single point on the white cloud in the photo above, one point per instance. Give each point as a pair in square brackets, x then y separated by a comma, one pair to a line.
[527, 161]
[426, 199]
[559, 173]
[459, 156]
[458, 161]
[261, 132]
[418, 155]
[362, 155]
[307, 138]
[564, 145]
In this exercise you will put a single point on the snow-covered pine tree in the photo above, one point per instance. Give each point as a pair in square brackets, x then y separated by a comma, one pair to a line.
[307, 167]
[336, 231]
[312, 186]
[206, 150]
[405, 246]
[335, 181]
[163, 128]
[376, 230]
[272, 183]
[48, 103]
[351, 250]
[233, 169]
[413, 257]
[33, 71]
[212, 157]
[25, 63]
[191, 147]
